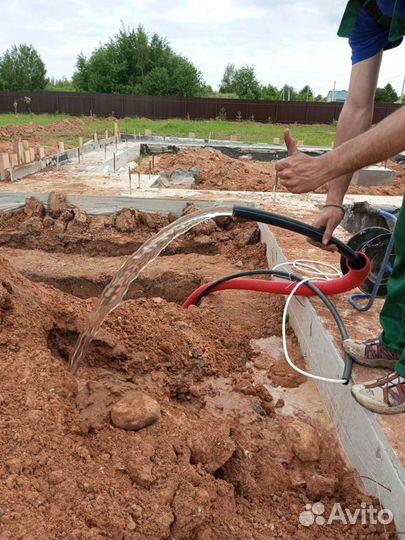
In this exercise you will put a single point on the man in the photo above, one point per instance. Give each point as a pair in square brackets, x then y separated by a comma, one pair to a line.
[300, 174]
[372, 26]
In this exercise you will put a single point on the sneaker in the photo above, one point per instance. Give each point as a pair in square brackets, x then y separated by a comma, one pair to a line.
[371, 353]
[384, 396]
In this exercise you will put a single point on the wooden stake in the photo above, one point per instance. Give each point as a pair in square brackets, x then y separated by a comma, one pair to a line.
[106, 134]
[61, 147]
[4, 163]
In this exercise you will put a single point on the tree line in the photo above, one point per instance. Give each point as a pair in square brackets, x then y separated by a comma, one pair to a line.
[133, 62]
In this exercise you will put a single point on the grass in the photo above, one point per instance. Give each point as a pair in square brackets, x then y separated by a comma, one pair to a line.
[316, 135]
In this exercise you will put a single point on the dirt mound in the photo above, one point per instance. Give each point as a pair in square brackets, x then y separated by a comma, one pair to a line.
[201, 470]
[68, 229]
[40, 134]
[220, 172]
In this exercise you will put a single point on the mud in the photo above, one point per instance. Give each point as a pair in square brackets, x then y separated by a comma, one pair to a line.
[220, 172]
[222, 461]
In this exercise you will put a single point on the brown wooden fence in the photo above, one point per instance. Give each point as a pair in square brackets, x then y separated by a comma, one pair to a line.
[156, 107]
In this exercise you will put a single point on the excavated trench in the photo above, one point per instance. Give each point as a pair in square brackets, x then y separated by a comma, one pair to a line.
[231, 455]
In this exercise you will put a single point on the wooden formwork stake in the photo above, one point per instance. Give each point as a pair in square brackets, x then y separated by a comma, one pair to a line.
[19, 149]
[106, 134]
[276, 140]
[95, 137]
[61, 147]
[4, 163]
[41, 152]
[116, 128]
[80, 141]
[32, 153]
[13, 160]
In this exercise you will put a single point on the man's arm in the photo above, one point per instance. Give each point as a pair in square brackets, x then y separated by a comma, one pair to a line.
[301, 173]
[356, 116]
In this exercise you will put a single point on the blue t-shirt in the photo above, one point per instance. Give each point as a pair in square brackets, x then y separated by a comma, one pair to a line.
[368, 36]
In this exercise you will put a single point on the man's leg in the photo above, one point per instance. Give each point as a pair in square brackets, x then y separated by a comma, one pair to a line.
[393, 312]
[386, 350]
[387, 395]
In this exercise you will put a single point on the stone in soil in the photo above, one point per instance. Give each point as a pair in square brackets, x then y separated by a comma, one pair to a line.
[135, 411]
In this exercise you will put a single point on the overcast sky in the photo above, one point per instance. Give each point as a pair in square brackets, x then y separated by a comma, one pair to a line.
[288, 41]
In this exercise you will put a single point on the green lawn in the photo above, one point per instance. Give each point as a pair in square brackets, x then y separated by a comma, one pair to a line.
[317, 135]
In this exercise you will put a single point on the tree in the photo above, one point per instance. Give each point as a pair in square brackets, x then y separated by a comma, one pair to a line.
[246, 84]
[306, 94]
[270, 92]
[228, 80]
[386, 94]
[133, 62]
[21, 69]
[288, 93]
[60, 85]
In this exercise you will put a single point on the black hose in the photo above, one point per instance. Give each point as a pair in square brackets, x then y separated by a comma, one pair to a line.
[290, 224]
[348, 361]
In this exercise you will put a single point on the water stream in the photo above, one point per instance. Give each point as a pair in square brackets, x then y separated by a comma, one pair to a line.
[115, 291]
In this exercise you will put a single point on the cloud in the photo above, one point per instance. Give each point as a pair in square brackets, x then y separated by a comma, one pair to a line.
[290, 41]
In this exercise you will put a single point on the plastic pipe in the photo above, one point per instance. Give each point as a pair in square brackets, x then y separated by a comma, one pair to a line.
[290, 224]
[346, 283]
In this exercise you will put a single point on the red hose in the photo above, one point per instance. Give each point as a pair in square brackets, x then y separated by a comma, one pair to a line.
[346, 283]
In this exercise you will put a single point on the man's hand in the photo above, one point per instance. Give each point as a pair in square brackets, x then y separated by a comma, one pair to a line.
[329, 219]
[300, 173]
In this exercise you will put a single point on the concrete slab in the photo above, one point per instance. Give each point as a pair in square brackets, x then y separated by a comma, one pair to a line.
[373, 176]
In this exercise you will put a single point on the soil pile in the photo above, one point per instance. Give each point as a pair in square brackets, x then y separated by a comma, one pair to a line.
[216, 462]
[220, 172]
[68, 229]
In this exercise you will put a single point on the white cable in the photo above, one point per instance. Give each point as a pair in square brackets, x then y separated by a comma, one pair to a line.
[284, 333]
[308, 267]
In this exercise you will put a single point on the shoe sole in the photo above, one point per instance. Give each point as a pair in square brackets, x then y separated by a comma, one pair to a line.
[375, 362]
[378, 408]
[358, 357]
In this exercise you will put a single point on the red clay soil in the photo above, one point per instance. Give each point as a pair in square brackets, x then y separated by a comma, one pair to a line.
[220, 172]
[68, 229]
[218, 463]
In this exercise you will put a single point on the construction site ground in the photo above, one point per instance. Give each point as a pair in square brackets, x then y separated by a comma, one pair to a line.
[242, 444]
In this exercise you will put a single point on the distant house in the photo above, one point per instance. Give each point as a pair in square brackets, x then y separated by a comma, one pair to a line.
[337, 95]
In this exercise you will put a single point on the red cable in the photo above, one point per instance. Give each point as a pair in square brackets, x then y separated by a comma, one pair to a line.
[346, 283]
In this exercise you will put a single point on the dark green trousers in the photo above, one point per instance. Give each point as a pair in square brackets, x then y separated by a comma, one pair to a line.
[392, 316]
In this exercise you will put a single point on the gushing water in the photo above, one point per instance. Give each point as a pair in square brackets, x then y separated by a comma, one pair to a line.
[115, 291]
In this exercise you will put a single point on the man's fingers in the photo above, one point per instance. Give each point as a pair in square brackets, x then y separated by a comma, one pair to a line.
[331, 247]
[282, 164]
[327, 235]
[290, 143]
